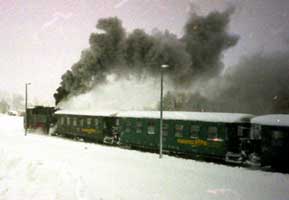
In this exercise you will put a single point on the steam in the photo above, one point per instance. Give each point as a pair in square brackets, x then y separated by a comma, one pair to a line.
[127, 94]
[128, 57]
[258, 84]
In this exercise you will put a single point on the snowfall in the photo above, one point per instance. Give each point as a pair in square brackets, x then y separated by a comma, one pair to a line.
[47, 167]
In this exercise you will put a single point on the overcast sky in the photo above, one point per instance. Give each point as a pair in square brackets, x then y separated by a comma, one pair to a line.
[41, 39]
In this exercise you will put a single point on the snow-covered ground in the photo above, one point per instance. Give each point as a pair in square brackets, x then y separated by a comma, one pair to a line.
[42, 167]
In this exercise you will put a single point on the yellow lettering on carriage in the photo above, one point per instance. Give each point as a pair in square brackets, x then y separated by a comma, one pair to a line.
[196, 142]
[88, 130]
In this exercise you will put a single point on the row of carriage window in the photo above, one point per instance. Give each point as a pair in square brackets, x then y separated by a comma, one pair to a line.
[73, 121]
[179, 129]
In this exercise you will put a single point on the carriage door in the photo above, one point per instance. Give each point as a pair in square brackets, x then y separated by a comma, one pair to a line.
[110, 126]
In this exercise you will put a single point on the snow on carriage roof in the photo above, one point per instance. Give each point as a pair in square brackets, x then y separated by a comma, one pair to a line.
[192, 116]
[87, 113]
[272, 120]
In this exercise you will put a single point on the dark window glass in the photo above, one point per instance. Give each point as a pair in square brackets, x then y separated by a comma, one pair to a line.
[212, 132]
[195, 130]
[74, 121]
[278, 138]
[165, 129]
[255, 133]
[151, 128]
[179, 129]
[88, 121]
[67, 121]
[62, 120]
[243, 131]
[139, 127]
[96, 122]
[277, 135]
[128, 126]
[81, 122]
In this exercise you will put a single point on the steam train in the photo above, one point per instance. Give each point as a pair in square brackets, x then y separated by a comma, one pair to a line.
[241, 139]
[39, 118]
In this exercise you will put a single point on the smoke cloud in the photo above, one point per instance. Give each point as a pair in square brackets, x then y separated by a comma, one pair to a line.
[258, 84]
[114, 52]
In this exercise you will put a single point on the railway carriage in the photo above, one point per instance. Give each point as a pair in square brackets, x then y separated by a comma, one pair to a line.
[215, 135]
[95, 126]
[272, 135]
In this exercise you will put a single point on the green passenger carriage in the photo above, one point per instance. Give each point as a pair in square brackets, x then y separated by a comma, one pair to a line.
[94, 126]
[216, 135]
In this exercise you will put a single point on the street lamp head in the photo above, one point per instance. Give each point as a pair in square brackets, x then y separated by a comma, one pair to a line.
[28, 83]
[165, 66]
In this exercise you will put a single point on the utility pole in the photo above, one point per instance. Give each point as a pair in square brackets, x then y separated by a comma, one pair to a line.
[26, 101]
[161, 111]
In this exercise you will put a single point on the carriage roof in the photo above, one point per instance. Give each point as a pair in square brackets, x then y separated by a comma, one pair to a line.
[86, 113]
[272, 120]
[168, 115]
[190, 116]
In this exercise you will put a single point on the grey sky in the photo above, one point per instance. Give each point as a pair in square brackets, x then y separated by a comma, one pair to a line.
[40, 39]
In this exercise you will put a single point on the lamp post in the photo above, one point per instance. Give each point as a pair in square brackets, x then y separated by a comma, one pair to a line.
[161, 111]
[26, 100]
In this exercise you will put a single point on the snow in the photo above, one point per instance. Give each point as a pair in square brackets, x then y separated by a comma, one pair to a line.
[192, 116]
[169, 115]
[272, 120]
[86, 113]
[44, 167]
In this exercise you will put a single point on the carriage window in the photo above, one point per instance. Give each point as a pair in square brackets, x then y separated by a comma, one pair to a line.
[240, 131]
[68, 121]
[277, 135]
[165, 129]
[62, 120]
[179, 130]
[151, 128]
[138, 127]
[88, 121]
[243, 131]
[96, 122]
[74, 121]
[127, 126]
[81, 122]
[255, 133]
[195, 130]
[277, 138]
[212, 132]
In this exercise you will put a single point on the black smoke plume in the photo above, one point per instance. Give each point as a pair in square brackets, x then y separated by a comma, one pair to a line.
[112, 50]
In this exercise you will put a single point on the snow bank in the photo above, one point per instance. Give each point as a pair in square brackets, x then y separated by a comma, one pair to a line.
[43, 167]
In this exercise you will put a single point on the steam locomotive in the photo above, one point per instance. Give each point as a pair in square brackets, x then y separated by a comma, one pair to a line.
[235, 138]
